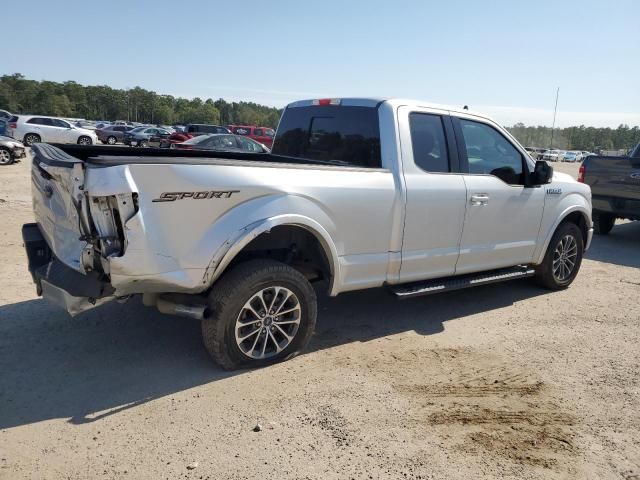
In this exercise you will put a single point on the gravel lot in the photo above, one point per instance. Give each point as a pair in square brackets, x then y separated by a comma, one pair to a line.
[504, 381]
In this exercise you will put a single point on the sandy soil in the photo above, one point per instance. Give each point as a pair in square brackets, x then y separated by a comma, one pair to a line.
[504, 381]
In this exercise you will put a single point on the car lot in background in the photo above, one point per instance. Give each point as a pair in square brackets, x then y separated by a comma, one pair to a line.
[140, 136]
[10, 150]
[32, 129]
[263, 135]
[177, 136]
[535, 152]
[202, 128]
[224, 142]
[112, 134]
[553, 155]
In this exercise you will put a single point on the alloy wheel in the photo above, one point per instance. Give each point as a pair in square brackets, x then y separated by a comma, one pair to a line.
[268, 322]
[564, 258]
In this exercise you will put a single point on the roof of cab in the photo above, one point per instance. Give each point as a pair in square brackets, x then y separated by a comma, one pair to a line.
[395, 102]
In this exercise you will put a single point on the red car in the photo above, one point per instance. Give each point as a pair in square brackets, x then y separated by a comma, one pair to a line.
[262, 135]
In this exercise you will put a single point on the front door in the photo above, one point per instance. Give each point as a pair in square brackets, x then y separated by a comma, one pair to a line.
[503, 214]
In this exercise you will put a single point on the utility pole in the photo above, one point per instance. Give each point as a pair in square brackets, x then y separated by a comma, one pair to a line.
[555, 110]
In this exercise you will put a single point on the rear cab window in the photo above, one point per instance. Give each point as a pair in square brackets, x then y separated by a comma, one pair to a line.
[348, 135]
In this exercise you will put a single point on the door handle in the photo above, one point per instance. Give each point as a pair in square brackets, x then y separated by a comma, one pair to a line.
[479, 199]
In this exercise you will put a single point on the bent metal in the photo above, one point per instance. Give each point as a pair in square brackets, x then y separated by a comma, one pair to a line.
[173, 196]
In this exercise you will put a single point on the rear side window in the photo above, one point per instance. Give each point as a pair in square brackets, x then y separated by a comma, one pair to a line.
[258, 132]
[36, 121]
[429, 142]
[331, 133]
[242, 131]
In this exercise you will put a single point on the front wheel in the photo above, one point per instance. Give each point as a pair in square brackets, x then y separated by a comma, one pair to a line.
[6, 158]
[563, 258]
[111, 140]
[84, 140]
[262, 312]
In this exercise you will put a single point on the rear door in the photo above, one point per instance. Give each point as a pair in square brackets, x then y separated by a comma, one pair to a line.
[436, 194]
[503, 214]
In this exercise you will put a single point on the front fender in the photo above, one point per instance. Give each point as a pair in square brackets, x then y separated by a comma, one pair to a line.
[553, 217]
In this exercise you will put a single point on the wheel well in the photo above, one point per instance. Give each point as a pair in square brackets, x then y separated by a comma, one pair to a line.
[291, 244]
[580, 220]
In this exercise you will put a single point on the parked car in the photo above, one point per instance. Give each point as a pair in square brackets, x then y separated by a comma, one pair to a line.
[86, 124]
[553, 155]
[261, 135]
[112, 134]
[101, 125]
[615, 188]
[357, 193]
[140, 136]
[32, 129]
[571, 156]
[202, 128]
[4, 119]
[10, 150]
[222, 141]
[166, 142]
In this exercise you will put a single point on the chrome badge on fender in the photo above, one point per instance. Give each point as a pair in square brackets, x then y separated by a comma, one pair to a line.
[173, 196]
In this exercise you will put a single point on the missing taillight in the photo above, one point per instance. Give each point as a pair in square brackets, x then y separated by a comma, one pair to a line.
[581, 174]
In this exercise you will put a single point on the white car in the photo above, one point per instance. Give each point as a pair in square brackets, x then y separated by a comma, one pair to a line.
[571, 156]
[553, 155]
[32, 129]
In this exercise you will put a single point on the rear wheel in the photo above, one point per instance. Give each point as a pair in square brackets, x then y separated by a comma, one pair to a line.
[263, 312]
[563, 258]
[111, 140]
[31, 138]
[603, 223]
[143, 143]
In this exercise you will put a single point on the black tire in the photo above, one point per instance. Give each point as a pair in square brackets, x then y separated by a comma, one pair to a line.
[545, 275]
[6, 157]
[603, 223]
[143, 143]
[84, 140]
[31, 138]
[228, 300]
[111, 140]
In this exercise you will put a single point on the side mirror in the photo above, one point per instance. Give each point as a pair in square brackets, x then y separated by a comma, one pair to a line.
[542, 173]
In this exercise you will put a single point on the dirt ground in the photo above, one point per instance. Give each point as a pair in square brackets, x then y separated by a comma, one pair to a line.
[503, 381]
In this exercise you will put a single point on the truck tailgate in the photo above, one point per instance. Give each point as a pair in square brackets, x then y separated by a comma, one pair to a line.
[617, 177]
[56, 185]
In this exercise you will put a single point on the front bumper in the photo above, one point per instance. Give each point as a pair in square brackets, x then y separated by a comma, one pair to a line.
[58, 283]
[19, 152]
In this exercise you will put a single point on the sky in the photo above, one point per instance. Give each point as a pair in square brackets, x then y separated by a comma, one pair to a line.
[503, 58]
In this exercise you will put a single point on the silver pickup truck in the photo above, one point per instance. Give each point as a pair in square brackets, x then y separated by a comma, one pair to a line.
[357, 193]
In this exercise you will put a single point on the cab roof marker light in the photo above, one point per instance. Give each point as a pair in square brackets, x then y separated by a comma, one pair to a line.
[323, 102]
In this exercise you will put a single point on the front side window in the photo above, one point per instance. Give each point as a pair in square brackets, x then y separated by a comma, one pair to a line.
[489, 152]
[429, 142]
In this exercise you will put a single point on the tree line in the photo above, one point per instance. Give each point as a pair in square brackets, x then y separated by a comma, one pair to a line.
[101, 102]
[577, 138]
